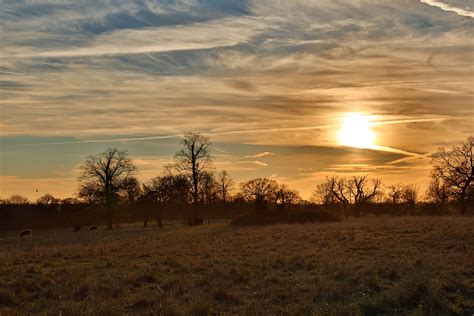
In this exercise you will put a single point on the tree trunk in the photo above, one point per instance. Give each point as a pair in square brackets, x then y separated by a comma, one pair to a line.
[195, 211]
[190, 222]
[109, 217]
[158, 218]
[462, 207]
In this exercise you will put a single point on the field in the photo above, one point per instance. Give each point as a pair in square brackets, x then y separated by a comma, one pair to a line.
[405, 265]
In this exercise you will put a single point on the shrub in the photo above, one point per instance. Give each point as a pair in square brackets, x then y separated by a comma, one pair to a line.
[293, 217]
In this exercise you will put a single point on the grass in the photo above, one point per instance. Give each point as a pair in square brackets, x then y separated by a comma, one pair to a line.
[364, 266]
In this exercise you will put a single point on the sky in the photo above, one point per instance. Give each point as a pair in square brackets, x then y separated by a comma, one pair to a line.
[293, 90]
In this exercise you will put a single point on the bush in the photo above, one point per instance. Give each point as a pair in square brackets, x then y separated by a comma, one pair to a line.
[292, 217]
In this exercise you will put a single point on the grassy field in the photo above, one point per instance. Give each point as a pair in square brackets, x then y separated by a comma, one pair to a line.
[419, 265]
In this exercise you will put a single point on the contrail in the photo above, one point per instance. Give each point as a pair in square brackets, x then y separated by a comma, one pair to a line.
[231, 132]
[446, 7]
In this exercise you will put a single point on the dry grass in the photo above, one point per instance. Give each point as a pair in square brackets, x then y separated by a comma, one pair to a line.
[358, 266]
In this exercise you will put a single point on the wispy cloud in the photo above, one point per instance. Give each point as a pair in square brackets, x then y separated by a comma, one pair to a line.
[148, 40]
[260, 163]
[260, 155]
[138, 74]
[449, 8]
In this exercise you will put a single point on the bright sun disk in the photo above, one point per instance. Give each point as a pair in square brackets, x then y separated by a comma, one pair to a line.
[356, 131]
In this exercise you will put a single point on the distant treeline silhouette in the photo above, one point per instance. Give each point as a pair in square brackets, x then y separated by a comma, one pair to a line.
[189, 190]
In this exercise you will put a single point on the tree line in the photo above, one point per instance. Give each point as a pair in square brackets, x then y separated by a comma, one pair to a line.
[189, 183]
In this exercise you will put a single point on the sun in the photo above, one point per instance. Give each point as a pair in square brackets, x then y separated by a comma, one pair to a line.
[356, 131]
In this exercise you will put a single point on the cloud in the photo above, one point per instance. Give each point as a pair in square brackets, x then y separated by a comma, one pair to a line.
[447, 7]
[197, 36]
[83, 75]
[260, 163]
[260, 155]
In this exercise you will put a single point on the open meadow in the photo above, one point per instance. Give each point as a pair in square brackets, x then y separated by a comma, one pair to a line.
[384, 265]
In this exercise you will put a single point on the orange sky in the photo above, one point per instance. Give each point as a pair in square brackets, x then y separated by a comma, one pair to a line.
[292, 90]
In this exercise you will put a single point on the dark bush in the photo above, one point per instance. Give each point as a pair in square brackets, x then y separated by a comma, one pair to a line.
[292, 217]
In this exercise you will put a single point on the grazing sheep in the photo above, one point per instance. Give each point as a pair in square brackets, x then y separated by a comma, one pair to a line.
[25, 232]
[77, 228]
[93, 227]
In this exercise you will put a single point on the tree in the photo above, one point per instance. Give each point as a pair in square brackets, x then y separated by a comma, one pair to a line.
[89, 193]
[438, 192]
[192, 161]
[284, 196]
[225, 185]
[454, 169]
[400, 195]
[208, 188]
[259, 191]
[105, 176]
[132, 190]
[354, 192]
[324, 193]
[147, 200]
[395, 194]
[410, 197]
[362, 191]
[162, 192]
[47, 200]
[17, 199]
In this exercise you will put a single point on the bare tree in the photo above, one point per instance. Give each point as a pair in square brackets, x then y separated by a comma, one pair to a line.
[259, 191]
[208, 188]
[400, 195]
[47, 200]
[410, 197]
[170, 190]
[284, 196]
[353, 192]
[147, 200]
[455, 170]
[324, 193]
[438, 192]
[132, 190]
[106, 174]
[335, 190]
[226, 184]
[89, 193]
[395, 193]
[17, 200]
[192, 160]
[363, 191]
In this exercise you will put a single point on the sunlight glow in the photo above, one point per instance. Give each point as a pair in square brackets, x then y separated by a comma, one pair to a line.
[356, 131]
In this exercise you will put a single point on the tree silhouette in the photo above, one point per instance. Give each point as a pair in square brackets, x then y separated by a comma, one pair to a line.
[170, 190]
[47, 200]
[192, 161]
[284, 196]
[132, 190]
[410, 197]
[399, 195]
[106, 175]
[208, 188]
[225, 185]
[454, 170]
[90, 193]
[438, 192]
[259, 191]
[353, 192]
[17, 199]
